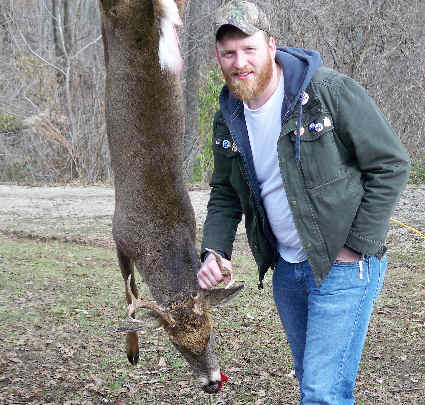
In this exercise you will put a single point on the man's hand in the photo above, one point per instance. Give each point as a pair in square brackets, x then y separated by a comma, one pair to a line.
[210, 274]
[347, 255]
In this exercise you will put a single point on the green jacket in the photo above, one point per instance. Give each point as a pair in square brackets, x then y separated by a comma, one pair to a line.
[343, 190]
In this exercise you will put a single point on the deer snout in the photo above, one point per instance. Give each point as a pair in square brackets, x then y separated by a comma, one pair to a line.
[214, 383]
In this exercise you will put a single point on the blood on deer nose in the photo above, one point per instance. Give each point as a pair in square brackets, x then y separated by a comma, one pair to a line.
[215, 387]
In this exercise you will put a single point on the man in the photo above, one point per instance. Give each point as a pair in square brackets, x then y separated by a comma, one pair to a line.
[304, 153]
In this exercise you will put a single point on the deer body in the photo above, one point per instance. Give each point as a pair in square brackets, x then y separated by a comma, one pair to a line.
[154, 223]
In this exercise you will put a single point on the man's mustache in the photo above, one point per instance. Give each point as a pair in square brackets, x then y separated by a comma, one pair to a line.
[241, 72]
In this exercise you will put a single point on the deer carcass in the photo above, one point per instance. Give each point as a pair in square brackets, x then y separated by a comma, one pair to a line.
[154, 225]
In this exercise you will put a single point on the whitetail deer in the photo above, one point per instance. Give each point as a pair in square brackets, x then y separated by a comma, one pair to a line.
[154, 224]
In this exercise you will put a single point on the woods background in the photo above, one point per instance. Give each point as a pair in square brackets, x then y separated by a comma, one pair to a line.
[52, 73]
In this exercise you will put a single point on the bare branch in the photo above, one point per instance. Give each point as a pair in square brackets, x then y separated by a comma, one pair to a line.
[86, 46]
[37, 55]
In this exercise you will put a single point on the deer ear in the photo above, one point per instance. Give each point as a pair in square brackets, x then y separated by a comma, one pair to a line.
[220, 296]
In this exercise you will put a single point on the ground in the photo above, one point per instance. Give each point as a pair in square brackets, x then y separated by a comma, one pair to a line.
[61, 302]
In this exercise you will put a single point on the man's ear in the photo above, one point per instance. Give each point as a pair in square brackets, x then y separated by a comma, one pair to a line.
[220, 296]
[272, 46]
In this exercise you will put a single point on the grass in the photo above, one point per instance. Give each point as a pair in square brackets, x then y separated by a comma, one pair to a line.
[417, 173]
[60, 305]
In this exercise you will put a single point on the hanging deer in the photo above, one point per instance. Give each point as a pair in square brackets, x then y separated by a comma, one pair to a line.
[154, 224]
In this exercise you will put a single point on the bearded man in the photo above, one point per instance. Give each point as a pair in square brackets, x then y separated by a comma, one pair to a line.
[305, 154]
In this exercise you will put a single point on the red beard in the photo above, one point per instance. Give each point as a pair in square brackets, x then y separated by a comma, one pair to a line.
[251, 88]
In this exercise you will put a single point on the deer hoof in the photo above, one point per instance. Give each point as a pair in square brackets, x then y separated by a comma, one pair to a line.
[133, 359]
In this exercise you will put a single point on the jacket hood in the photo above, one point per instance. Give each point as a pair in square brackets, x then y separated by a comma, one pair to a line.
[299, 66]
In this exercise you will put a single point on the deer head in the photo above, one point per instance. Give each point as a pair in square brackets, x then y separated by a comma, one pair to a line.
[189, 326]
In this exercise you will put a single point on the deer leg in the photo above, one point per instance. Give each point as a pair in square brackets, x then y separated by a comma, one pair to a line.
[131, 339]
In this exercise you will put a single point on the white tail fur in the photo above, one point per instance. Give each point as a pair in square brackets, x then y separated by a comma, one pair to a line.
[169, 52]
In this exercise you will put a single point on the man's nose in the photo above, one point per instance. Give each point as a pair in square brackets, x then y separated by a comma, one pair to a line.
[240, 61]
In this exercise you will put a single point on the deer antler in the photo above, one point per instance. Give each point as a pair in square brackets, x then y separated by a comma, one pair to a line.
[137, 303]
[225, 271]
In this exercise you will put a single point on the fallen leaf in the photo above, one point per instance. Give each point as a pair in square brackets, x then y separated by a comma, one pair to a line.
[162, 363]
[98, 380]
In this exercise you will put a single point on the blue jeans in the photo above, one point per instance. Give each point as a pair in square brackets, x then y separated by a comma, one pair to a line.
[326, 325]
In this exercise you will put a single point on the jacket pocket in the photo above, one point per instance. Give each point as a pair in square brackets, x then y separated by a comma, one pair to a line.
[336, 205]
[321, 161]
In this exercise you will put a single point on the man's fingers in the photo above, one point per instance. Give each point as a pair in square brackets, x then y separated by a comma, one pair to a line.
[212, 273]
[203, 285]
[209, 275]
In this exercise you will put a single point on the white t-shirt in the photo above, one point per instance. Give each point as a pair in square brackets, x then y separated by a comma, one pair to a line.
[264, 126]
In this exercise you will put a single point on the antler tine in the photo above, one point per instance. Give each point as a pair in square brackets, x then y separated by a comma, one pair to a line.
[137, 303]
[225, 271]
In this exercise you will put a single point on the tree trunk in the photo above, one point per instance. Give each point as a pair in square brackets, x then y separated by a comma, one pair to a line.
[192, 79]
[4, 30]
[56, 29]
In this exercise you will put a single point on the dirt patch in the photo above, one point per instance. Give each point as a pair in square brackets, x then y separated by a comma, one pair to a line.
[58, 341]
[85, 213]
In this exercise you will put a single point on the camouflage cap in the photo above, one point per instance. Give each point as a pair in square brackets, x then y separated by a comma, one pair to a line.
[243, 15]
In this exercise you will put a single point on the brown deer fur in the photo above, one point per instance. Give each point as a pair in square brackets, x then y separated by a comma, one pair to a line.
[154, 224]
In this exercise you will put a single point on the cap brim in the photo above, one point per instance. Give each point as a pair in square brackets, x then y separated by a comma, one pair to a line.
[245, 28]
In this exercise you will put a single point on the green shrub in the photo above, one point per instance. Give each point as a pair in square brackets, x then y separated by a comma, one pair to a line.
[208, 105]
[417, 174]
[8, 122]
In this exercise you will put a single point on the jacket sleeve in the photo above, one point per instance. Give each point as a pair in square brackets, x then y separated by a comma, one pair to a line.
[382, 160]
[224, 208]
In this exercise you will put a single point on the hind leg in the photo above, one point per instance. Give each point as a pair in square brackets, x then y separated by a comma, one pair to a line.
[127, 269]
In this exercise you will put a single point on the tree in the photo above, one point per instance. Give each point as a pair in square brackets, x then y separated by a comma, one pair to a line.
[52, 73]
[59, 60]
[379, 43]
[198, 48]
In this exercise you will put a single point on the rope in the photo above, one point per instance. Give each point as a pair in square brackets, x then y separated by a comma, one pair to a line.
[408, 227]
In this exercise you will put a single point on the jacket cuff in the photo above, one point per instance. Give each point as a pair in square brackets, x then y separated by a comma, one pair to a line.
[205, 253]
[364, 246]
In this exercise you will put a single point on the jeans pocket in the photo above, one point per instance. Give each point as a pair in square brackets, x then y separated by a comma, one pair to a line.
[344, 276]
[378, 267]
[342, 263]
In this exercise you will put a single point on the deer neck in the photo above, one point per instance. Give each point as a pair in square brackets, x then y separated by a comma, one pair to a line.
[145, 126]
